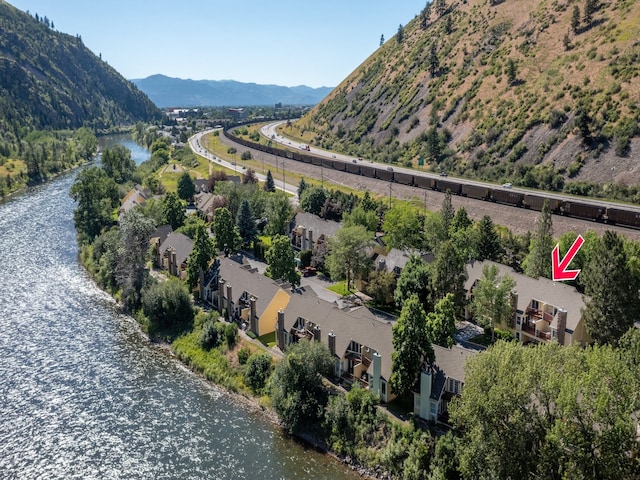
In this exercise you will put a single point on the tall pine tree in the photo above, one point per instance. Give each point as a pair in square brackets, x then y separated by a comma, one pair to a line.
[269, 184]
[246, 223]
[538, 262]
[489, 247]
[612, 303]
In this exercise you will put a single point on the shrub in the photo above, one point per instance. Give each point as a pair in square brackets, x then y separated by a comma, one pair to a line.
[246, 155]
[230, 334]
[243, 355]
[259, 367]
[209, 337]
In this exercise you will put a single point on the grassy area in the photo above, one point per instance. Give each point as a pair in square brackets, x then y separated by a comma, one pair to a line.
[268, 339]
[341, 288]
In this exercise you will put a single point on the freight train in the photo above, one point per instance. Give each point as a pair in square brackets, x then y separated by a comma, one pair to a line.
[598, 212]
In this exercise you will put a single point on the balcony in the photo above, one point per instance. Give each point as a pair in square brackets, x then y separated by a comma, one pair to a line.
[531, 330]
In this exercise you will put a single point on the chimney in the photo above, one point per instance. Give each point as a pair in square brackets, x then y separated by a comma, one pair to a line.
[331, 340]
[229, 303]
[311, 246]
[377, 373]
[221, 295]
[514, 306]
[201, 284]
[280, 330]
[316, 333]
[303, 237]
[562, 324]
[253, 318]
[174, 267]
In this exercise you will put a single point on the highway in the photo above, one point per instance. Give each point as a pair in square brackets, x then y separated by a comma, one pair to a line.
[196, 146]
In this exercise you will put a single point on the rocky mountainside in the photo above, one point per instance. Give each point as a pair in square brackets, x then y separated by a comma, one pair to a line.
[176, 92]
[50, 80]
[544, 94]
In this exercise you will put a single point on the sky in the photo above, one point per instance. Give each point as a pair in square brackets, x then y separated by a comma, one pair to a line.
[282, 42]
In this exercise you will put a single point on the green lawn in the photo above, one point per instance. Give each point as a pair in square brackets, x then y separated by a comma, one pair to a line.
[341, 288]
[268, 339]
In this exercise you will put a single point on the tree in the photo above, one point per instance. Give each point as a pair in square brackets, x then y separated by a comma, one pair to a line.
[367, 203]
[117, 164]
[612, 304]
[574, 421]
[489, 247]
[511, 70]
[447, 211]
[167, 305]
[200, 257]
[492, 302]
[403, 227]
[448, 273]
[259, 367]
[381, 39]
[246, 223]
[575, 19]
[380, 285]
[302, 186]
[225, 231]
[411, 346]
[538, 262]
[296, 389]
[441, 323]
[425, 14]
[173, 210]
[400, 34]
[133, 249]
[281, 262]
[590, 7]
[249, 177]
[186, 187]
[441, 7]
[269, 184]
[96, 195]
[415, 279]
[360, 216]
[279, 212]
[348, 253]
[313, 199]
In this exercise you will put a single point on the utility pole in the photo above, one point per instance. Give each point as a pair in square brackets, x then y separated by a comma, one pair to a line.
[283, 183]
[389, 195]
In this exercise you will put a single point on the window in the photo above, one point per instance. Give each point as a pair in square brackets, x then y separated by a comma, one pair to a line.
[383, 388]
[434, 409]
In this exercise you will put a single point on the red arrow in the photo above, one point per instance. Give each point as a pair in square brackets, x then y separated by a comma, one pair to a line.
[560, 272]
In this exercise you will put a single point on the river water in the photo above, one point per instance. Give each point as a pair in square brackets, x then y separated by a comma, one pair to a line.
[83, 394]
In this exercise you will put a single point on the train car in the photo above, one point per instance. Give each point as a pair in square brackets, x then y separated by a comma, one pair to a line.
[508, 197]
[384, 174]
[444, 185]
[353, 168]
[316, 161]
[327, 163]
[338, 165]
[367, 171]
[306, 158]
[583, 210]
[475, 191]
[424, 182]
[403, 178]
[535, 202]
[626, 218]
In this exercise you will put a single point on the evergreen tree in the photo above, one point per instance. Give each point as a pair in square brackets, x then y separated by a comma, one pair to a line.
[246, 223]
[575, 19]
[302, 186]
[612, 303]
[441, 7]
[269, 184]
[200, 257]
[381, 40]
[411, 346]
[281, 262]
[434, 61]
[186, 187]
[425, 14]
[489, 247]
[173, 210]
[538, 262]
[400, 34]
[590, 7]
[448, 273]
[511, 71]
[367, 203]
[447, 211]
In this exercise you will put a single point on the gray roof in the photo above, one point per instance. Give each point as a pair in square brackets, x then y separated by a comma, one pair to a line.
[542, 289]
[358, 324]
[319, 225]
[162, 232]
[244, 280]
[180, 243]
[394, 259]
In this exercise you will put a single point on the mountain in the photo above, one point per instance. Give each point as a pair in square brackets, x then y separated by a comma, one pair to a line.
[544, 94]
[176, 92]
[50, 80]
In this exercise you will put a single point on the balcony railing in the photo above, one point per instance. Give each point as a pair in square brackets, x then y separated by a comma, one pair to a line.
[531, 330]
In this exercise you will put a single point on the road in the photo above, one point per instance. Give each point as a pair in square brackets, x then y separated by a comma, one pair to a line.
[196, 146]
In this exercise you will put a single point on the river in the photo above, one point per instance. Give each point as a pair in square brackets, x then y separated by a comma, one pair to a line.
[84, 394]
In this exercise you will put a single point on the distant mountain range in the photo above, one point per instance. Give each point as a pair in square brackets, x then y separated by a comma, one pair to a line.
[177, 92]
